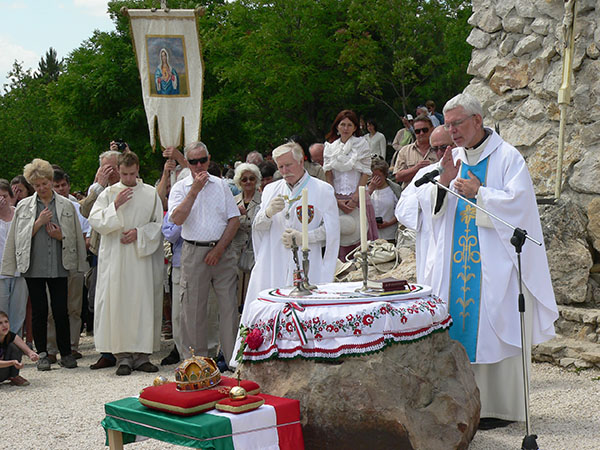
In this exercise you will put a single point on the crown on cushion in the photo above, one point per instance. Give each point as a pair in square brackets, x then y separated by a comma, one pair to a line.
[197, 373]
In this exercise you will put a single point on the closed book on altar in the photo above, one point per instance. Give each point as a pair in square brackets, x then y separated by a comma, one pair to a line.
[389, 284]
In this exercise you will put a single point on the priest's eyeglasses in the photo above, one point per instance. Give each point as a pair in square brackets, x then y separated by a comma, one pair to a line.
[456, 123]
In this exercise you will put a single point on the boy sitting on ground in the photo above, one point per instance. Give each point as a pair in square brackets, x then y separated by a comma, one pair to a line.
[12, 348]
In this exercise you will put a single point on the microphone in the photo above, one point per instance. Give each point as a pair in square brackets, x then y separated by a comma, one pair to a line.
[428, 177]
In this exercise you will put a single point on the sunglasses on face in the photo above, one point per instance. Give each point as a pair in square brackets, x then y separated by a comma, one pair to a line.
[421, 130]
[202, 160]
[440, 148]
[248, 179]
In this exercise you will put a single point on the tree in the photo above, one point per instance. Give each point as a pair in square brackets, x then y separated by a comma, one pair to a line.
[49, 68]
[403, 52]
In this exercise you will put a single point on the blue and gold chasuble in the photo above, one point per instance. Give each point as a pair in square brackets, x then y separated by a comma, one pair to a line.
[465, 275]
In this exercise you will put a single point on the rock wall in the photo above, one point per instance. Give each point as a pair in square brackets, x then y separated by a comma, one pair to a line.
[517, 68]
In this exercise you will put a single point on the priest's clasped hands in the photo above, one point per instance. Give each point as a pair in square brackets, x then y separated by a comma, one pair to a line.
[466, 187]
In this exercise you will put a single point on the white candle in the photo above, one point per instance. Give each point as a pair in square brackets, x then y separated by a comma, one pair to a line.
[362, 205]
[304, 219]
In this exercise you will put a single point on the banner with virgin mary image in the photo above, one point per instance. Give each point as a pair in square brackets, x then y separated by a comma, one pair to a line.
[171, 69]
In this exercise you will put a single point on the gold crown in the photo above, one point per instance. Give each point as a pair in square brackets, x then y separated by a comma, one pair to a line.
[197, 373]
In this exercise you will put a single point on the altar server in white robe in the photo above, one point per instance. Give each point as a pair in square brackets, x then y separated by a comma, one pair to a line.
[415, 212]
[280, 218]
[476, 265]
[128, 303]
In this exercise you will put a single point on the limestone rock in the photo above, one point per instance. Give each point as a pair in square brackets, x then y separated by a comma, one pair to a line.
[593, 213]
[503, 7]
[528, 44]
[584, 6]
[513, 74]
[569, 258]
[483, 93]
[585, 174]
[478, 38]
[507, 45]
[521, 132]
[483, 62]
[592, 51]
[553, 8]
[542, 163]
[513, 23]
[540, 26]
[526, 9]
[552, 81]
[486, 19]
[532, 109]
[421, 395]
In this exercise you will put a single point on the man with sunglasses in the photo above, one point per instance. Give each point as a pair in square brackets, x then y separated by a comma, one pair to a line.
[417, 155]
[415, 212]
[209, 217]
[476, 265]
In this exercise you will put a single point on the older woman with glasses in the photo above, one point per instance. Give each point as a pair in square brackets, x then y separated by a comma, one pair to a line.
[247, 177]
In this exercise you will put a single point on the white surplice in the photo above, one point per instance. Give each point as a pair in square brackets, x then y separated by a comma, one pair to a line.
[128, 305]
[508, 193]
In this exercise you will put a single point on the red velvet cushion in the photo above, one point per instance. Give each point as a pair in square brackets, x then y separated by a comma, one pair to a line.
[168, 399]
[250, 403]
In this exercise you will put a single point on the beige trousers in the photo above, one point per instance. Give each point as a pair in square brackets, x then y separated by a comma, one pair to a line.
[196, 279]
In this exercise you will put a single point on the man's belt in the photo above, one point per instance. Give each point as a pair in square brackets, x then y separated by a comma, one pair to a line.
[202, 243]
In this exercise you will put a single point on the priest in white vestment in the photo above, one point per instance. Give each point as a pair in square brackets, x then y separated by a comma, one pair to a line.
[476, 265]
[128, 303]
[416, 213]
[280, 218]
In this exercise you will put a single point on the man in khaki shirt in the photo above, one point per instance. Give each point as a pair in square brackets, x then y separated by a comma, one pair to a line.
[417, 155]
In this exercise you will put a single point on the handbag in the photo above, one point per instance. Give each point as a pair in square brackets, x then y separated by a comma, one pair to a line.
[379, 251]
[246, 261]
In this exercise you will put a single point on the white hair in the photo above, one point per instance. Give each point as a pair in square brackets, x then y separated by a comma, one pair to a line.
[246, 167]
[469, 103]
[293, 147]
[194, 145]
[108, 154]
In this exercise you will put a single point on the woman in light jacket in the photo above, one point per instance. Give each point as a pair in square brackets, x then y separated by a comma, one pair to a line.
[44, 243]
[247, 178]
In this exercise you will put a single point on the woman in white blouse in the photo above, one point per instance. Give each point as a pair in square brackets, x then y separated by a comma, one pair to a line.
[347, 165]
[375, 139]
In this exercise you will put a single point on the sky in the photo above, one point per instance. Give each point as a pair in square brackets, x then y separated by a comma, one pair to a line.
[31, 27]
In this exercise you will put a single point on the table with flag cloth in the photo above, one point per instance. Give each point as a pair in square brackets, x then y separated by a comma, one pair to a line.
[275, 425]
[338, 321]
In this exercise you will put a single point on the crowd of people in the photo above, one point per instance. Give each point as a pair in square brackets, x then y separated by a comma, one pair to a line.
[232, 234]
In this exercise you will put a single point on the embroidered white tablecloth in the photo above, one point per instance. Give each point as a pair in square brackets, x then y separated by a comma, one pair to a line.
[337, 321]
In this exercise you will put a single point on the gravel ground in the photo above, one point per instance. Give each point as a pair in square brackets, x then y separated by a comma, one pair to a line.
[62, 409]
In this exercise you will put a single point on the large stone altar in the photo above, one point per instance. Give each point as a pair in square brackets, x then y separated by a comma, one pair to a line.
[420, 395]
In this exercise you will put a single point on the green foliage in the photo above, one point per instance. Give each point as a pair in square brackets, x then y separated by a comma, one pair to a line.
[49, 68]
[272, 69]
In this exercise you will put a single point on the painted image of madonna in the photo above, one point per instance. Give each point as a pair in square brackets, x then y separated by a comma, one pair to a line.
[166, 78]
[167, 66]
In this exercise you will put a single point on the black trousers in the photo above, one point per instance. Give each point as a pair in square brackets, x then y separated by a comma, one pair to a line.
[12, 352]
[58, 288]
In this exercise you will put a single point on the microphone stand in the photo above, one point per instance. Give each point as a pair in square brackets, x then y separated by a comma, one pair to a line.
[517, 240]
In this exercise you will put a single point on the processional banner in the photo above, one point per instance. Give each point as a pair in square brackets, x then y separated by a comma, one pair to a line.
[171, 68]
